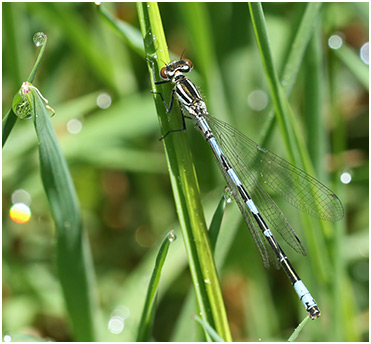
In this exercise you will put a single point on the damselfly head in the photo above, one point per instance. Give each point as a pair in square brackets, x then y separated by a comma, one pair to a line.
[182, 66]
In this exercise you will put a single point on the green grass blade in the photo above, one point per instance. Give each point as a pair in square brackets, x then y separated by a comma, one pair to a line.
[217, 221]
[147, 318]
[261, 34]
[185, 186]
[314, 88]
[8, 124]
[293, 62]
[10, 119]
[298, 329]
[352, 60]
[74, 260]
[131, 36]
[294, 142]
[212, 333]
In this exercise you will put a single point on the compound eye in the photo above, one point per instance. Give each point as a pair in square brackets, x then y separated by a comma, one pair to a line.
[163, 73]
[189, 63]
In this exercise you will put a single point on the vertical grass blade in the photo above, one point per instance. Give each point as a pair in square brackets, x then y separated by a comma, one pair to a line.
[294, 59]
[294, 142]
[185, 185]
[147, 317]
[74, 262]
[261, 34]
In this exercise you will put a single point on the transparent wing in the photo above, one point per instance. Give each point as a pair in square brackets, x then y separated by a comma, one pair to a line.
[257, 235]
[291, 183]
[266, 206]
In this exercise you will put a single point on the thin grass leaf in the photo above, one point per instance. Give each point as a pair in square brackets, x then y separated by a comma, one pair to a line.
[208, 329]
[352, 60]
[76, 31]
[131, 36]
[147, 318]
[184, 183]
[74, 260]
[10, 118]
[261, 34]
[217, 221]
[293, 61]
[298, 329]
[297, 150]
[314, 90]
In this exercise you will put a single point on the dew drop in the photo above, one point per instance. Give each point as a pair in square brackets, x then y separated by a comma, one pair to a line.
[39, 39]
[228, 194]
[171, 236]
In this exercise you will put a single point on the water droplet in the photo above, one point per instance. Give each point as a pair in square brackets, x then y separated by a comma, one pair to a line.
[207, 281]
[21, 103]
[98, 3]
[171, 236]
[364, 52]
[261, 149]
[228, 195]
[39, 39]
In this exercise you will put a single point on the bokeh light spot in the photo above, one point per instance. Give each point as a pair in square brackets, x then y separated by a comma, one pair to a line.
[20, 213]
[335, 42]
[364, 51]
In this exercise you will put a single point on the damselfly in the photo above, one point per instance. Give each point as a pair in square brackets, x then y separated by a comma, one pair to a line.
[246, 166]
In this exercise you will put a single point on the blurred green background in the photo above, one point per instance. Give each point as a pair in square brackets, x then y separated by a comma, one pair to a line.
[107, 127]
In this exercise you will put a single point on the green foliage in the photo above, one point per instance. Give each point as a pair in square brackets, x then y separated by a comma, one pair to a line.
[120, 172]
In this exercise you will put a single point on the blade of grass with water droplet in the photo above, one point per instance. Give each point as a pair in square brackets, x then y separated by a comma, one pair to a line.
[73, 257]
[146, 321]
[298, 329]
[10, 118]
[185, 185]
